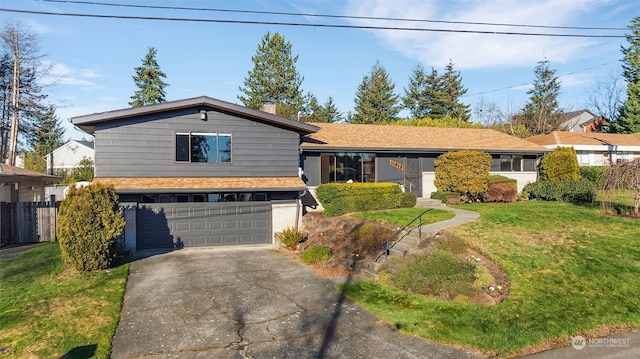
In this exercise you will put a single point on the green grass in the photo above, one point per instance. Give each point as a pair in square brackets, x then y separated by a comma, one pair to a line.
[571, 270]
[47, 311]
[403, 216]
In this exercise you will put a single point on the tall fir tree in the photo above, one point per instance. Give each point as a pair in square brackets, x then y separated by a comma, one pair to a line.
[629, 119]
[434, 95]
[274, 78]
[149, 81]
[45, 136]
[452, 91]
[541, 113]
[375, 100]
[414, 98]
[325, 113]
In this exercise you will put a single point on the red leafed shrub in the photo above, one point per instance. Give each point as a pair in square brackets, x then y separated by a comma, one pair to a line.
[502, 192]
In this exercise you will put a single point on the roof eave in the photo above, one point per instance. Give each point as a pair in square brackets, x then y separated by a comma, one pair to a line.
[85, 122]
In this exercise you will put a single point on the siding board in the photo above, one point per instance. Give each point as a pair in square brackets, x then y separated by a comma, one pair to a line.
[144, 147]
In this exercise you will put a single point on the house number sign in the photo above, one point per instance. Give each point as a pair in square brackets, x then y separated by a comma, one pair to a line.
[397, 165]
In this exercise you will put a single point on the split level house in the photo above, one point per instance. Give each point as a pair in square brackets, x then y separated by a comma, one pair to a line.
[593, 148]
[205, 172]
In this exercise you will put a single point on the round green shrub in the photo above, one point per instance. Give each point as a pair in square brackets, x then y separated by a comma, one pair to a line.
[408, 200]
[89, 223]
[562, 164]
[316, 254]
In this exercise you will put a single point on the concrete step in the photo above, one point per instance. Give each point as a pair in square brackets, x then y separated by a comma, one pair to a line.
[402, 248]
[369, 273]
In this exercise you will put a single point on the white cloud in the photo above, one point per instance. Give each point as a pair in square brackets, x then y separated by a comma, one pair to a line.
[60, 74]
[474, 51]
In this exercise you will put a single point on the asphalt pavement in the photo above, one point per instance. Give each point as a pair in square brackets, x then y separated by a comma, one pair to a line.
[251, 302]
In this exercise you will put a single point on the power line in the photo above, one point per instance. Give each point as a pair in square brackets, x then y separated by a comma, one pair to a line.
[279, 23]
[332, 16]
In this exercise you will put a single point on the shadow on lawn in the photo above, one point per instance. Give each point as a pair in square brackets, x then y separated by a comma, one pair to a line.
[83, 352]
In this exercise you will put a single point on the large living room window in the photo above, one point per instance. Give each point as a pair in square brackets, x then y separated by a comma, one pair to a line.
[510, 163]
[203, 147]
[347, 167]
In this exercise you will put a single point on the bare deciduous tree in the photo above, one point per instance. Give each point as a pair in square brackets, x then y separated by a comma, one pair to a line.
[623, 175]
[23, 49]
[605, 97]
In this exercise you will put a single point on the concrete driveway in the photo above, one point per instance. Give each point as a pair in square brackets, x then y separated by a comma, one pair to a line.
[250, 302]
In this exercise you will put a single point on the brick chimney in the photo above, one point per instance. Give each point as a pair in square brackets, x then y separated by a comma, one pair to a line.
[268, 107]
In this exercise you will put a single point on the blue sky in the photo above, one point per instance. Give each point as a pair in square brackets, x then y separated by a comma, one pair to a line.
[93, 59]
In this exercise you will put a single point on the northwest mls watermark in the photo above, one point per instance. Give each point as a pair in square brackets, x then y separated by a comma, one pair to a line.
[579, 342]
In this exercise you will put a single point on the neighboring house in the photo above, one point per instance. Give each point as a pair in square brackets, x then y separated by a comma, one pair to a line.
[406, 154]
[69, 155]
[200, 171]
[20, 185]
[593, 149]
[582, 121]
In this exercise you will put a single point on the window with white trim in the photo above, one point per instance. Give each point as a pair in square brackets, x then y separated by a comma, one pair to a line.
[203, 147]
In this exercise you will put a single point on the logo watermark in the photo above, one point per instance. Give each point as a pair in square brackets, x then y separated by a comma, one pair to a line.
[579, 342]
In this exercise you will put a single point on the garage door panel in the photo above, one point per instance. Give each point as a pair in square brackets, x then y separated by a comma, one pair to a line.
[203, 224]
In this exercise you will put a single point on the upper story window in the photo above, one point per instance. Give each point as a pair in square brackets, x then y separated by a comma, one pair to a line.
[203, 147]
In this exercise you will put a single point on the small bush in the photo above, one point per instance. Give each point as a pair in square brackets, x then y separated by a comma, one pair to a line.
[593, 173]
[290, 237]
[371, 235]
[575, 191]
[502, 192]
[89, 222]
[316, 254]
[438, 273]
[408, 200]
[562, 164]
[501, 179]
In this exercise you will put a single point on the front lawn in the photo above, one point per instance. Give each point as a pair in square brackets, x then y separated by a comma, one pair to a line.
[47, 311]
[571, 271]
[403, 216]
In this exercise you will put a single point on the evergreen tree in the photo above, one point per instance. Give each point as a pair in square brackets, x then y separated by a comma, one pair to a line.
[274, 78]
[629, 120]
[453, 90]
[45, 136]
[326, 113]
[541, 113]
[375, 101]
[330, 112]
[414, 98]
[149, 81]
[434, 95]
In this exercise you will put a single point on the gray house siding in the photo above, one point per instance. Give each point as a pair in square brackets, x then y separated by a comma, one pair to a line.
[145, 147]
[312, 168]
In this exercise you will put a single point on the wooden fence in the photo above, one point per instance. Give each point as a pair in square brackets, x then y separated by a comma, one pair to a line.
[28, 222]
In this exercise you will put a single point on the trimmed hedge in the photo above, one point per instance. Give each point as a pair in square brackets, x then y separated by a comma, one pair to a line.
[576, 191]
[341, 198]
[464, 172]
